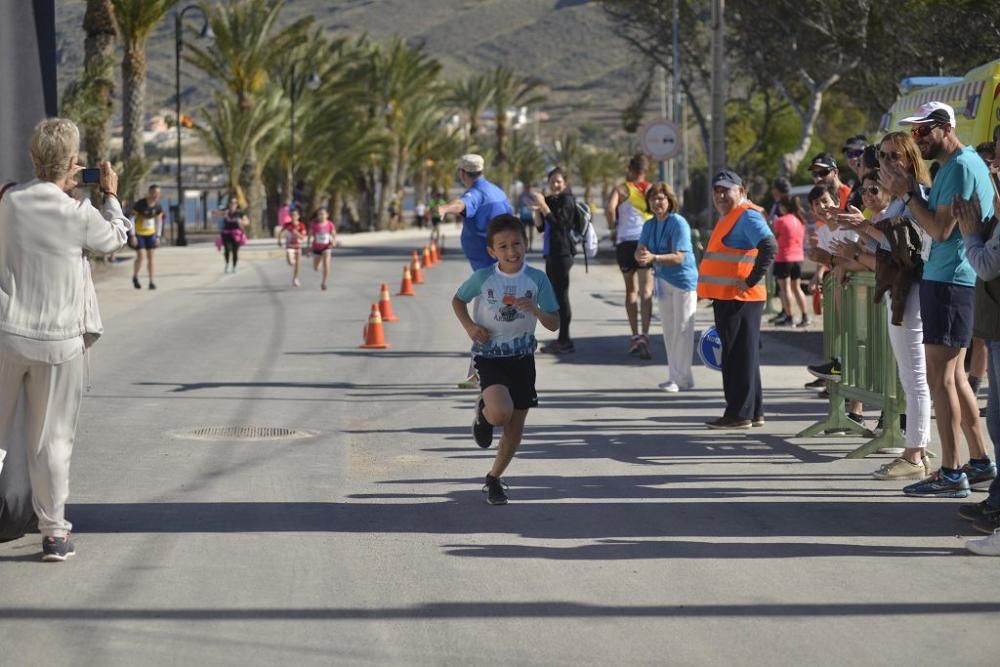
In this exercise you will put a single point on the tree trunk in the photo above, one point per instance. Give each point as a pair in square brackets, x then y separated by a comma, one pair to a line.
[133, 103]
[99, 51]
[501, 157]
[789, 162]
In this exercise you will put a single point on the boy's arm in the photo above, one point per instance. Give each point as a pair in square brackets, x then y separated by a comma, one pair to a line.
[477, 333]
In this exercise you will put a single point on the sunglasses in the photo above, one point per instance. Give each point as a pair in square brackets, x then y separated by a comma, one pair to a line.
[893, 155]
[853, 153]
[821, 173]
[871, 190]
[921, 131]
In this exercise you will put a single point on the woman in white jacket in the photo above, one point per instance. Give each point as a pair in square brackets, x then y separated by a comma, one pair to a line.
[48, 315]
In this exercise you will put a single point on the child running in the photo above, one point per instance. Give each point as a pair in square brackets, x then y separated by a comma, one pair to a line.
[512, 297]
[323, 236]
[294, 233]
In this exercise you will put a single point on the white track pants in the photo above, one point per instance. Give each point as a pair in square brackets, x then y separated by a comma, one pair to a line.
[677, 311]
[47, 399]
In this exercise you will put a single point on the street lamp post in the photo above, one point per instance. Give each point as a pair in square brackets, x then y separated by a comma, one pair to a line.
[178, 213]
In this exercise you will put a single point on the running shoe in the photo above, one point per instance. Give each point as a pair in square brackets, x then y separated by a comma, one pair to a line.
[482, 430]
[669, 386]
[494, 490]
[57, 549]
[644, 348]
[777, 317]
[295, 282]
[986, 546]
[938, 485]
[828, 371]
[816, 384]
[784, 321]
[977, 511]
[135, 282]
[634, 343]
[757, 422]
[980, 475]
[152, 285]
[471, 382]
[804, 322]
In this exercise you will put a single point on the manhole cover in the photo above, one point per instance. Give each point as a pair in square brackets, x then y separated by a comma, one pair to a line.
[242, 433]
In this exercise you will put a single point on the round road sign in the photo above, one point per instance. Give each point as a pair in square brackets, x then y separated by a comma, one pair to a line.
[660, 139]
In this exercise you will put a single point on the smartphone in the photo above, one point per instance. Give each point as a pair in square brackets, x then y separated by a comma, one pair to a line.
[91, 175]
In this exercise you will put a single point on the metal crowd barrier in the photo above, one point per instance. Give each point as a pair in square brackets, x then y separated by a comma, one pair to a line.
[859, 335]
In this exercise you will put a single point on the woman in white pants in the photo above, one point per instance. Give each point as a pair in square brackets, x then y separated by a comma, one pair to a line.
[665, 243]
[906, 339]
[48, 315]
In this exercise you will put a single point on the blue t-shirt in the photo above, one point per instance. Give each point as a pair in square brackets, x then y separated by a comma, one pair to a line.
[749, 230]
[964, 174]
[483, 202]
[512, 332]
[667, 236]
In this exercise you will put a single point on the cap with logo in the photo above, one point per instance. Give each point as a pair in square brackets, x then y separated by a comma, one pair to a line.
[857, 142]
[823, 161]
[931, 112]
[727, 179]
[471, 163]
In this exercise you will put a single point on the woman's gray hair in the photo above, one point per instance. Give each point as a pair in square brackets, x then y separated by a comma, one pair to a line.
[53, 142]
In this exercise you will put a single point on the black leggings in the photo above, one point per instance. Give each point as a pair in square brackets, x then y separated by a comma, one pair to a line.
[557, 269]
[230, 247]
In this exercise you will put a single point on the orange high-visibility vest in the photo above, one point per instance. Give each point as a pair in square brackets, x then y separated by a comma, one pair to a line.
[723, 270]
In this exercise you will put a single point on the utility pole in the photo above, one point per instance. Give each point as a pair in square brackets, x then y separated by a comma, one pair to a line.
[679, 165]
[661, 72]
[717, 157]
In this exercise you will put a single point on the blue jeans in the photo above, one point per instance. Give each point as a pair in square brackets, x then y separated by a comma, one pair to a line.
[993, 416]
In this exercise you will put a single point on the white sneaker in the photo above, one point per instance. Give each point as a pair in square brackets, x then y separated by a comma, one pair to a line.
[986, 546]
[669, 386]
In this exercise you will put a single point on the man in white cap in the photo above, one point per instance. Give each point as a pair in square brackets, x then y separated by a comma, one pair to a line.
[481, 202]
[947, 294]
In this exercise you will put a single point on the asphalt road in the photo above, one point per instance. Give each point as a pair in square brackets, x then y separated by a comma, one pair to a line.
[633, 535]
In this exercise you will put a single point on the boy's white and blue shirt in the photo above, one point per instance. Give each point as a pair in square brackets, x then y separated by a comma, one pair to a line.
[512, 332]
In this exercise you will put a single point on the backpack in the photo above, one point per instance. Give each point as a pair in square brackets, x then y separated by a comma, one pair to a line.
[583, 233]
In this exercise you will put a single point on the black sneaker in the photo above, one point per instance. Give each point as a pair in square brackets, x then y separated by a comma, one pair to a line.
[757, 421]
[988, 524]
[482, 430]
[57, 549]
[644, 348]
[494, 490]
[828, 371]
[783, 321]
[135, 282]
[977, 511]
[729, 423]
[777, 317]
[818, 383]
[152, 285]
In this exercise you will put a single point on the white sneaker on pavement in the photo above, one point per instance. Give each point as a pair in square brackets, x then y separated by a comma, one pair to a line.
[669, 386]
[986, 546]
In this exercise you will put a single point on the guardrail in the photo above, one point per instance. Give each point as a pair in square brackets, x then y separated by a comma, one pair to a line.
[858, 333]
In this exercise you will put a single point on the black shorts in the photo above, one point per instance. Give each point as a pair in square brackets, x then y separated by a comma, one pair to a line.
[947, 313]
[791, 270]
[625, 250]
[515, 373]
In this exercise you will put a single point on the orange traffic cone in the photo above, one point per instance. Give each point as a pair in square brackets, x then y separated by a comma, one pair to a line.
[428, 258]
[406, 287]
[418, 277]
[385, 305]
[435, 251]
[374, 337]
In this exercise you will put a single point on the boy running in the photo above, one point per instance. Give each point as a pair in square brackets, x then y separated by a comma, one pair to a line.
[512, 297]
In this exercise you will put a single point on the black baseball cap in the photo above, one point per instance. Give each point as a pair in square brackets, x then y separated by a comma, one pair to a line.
[727, 179]
[823, 161]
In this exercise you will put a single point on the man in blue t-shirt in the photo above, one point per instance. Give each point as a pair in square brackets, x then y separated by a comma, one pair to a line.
[947, 295]
[481, 202]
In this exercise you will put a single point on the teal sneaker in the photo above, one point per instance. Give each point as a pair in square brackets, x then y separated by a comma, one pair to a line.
[980, 475]
[938, 485]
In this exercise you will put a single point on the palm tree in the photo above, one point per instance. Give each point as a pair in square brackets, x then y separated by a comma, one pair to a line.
[98, 66]
[527, 160]
[596, 167]
[246, 47]
[510, 92]
[565, 150]
[136, 20]
[470, 97]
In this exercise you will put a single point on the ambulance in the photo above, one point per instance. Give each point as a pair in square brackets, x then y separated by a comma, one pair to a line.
[975, 98]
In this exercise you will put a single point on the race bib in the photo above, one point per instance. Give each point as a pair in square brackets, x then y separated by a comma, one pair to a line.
[146, 226]
[324, 238]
